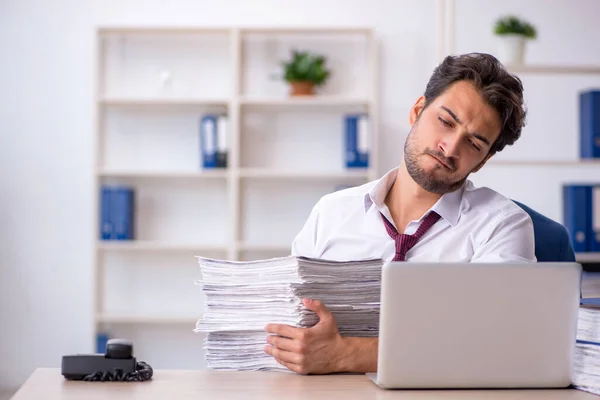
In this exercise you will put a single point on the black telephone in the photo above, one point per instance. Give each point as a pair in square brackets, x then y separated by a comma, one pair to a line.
[118, 364]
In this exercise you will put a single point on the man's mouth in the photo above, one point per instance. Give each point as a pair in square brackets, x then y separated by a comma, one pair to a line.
[442, 162]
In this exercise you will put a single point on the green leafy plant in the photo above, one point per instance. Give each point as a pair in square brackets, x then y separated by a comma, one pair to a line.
[514, 25]
[306, 67]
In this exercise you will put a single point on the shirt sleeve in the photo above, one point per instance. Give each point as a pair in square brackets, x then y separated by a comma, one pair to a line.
[509, 239]
[304, 245]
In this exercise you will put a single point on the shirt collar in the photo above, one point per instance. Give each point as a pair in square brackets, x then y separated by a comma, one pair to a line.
[448, 206]
[378, 192]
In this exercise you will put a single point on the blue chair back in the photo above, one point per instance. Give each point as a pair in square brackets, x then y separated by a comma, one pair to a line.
[552, 241]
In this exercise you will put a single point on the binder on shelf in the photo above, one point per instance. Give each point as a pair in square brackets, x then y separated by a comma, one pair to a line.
[106, 228]
[222, 141]
[594, 242]
[589, 123]
[208, 141]
[577, 214]
[214, 140]
[101, 340]
[357, 140]
[117, 213]
[123, 205]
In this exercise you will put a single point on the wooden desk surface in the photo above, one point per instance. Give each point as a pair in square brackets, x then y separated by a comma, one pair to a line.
[48, 384]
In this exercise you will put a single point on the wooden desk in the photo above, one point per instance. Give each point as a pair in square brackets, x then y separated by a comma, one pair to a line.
[48, 384]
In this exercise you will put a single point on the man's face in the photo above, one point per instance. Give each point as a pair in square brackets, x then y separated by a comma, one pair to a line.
[450, 138]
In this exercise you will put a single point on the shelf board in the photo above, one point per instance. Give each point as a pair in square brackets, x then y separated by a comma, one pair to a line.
[588, 257]
[132, 245]
[201, 174]
[307, 30]
[263, 173]
[139, 319]
[162, 102]
[554, 69]
[539, 163]
[303, 101]
[125, 30]
[266, 173]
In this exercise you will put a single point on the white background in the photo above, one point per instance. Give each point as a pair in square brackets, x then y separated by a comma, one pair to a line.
[46, 142]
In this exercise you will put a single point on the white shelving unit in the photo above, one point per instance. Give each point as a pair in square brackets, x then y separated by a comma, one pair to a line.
[151, 320]
[554, 69]
[588, 257]
[149, 102]
[163, 175]
[147, 137]
[157, 246]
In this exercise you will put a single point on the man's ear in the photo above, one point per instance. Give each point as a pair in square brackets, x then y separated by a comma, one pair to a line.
[416, 109]
[481, 164]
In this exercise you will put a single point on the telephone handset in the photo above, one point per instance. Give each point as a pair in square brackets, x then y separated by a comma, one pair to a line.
[117, 364]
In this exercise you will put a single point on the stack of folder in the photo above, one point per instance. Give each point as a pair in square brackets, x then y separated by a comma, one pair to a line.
[586, 374]
[243, 297]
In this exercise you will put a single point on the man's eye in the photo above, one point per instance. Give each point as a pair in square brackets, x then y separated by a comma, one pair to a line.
[475, 146]
[443, 121]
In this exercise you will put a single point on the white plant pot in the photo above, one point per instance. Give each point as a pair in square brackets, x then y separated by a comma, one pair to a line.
[511, 49]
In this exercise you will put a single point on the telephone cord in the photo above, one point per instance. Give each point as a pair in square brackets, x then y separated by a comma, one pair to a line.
[143, 372]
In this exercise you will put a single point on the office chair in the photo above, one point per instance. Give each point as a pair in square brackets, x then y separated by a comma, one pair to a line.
[552, 241]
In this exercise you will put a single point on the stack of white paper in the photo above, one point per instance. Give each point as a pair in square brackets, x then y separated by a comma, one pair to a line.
[587, 350]
[243, 297]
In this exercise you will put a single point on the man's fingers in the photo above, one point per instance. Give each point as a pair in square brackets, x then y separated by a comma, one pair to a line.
[284, 330]
[319, 308]
[283, 343]
[293, 367]
[283, 355]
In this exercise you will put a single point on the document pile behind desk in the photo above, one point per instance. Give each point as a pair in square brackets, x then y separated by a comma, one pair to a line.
[587, 350]
[243, 297]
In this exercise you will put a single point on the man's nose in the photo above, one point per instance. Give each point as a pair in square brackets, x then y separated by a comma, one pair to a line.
[450, 146]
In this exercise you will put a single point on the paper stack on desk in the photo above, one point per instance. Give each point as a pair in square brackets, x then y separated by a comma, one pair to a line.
[587, 350]
[243, 297]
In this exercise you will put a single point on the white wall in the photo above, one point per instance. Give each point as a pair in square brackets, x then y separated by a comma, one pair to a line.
[46, 106]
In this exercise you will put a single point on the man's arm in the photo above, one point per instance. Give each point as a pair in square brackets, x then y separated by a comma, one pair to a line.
[305, 241]
[509, 238]
[320, 349]
[361, 355]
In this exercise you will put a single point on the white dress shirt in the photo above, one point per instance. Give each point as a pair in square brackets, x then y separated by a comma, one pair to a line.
[476, 225]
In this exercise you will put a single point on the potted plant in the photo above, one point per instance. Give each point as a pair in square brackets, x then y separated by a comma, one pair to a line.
[304, 72]
[513, 32]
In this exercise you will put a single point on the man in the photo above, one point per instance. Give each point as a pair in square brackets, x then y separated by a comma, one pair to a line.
[471, 109]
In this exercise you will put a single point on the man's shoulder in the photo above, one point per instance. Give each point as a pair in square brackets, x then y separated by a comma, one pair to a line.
[489, 201]
[352, 195]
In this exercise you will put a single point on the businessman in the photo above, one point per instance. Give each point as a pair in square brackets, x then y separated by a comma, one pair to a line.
[424, 210]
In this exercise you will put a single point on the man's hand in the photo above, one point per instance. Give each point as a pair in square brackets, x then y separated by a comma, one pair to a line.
[316, 350]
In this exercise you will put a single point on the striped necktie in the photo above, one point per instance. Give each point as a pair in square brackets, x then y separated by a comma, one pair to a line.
[405, 242]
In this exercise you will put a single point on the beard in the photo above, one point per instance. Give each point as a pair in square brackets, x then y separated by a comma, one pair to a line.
[427, 179]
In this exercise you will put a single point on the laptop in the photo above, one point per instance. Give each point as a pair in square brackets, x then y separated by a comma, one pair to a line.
[470, 325]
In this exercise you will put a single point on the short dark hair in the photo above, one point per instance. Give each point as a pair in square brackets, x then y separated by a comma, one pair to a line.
[500, 89]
